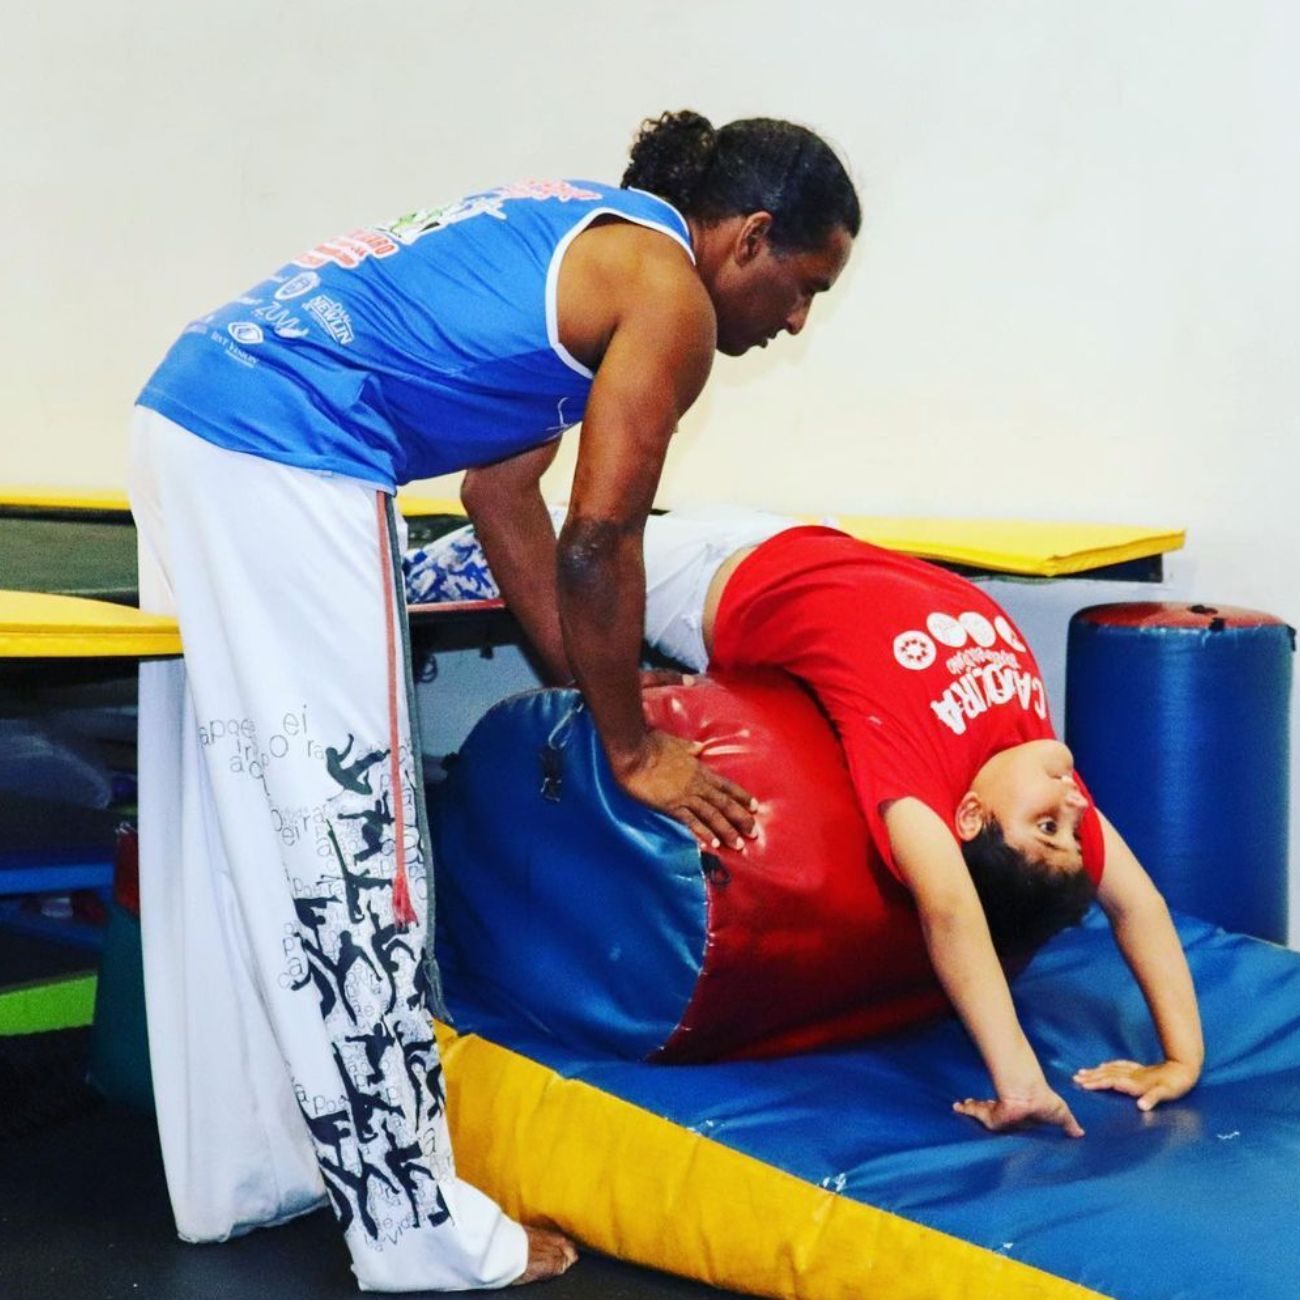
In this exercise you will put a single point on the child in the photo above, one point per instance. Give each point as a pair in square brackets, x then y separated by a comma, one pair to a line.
[969, 796]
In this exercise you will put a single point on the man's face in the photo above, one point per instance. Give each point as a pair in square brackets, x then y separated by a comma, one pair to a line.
[761, 291]
[1032, 792]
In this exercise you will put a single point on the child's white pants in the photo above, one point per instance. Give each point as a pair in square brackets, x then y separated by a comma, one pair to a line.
[288, 1006]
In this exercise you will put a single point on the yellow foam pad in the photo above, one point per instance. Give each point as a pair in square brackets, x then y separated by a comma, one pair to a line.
[635, 1185]
[34, 625]
[1041, 550]
[52, 498]
[1032, 549]
[415, 507]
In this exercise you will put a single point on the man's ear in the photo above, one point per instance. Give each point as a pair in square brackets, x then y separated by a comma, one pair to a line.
[751, 238]
[970, 817]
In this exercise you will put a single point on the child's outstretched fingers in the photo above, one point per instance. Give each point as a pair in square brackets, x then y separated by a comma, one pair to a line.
[1148, 1084]
[1008, 1113]
[1119, 1076]
[1150, 1099]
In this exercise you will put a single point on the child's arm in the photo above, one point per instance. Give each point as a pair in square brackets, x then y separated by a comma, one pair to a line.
[1147, 938]
[963, 957]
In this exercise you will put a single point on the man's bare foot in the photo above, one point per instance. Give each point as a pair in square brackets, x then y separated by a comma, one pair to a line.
[549, 1255]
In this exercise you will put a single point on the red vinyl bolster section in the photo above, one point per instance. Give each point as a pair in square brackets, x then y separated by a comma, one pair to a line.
[1157, 614]
[811, 940]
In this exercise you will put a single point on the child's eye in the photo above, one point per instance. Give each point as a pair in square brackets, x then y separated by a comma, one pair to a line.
[1047, 826]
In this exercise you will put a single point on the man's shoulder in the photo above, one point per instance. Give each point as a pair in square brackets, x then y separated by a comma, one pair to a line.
[623, 252]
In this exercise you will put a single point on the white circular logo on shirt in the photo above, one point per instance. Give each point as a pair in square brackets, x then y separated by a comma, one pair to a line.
[980, 629]
[1008, 633]
[303, 282]
[946, 630]
[244, 331]
[914, 650]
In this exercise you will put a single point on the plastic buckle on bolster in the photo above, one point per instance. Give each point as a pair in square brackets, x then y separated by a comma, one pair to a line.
[714, 872]
[552, 776]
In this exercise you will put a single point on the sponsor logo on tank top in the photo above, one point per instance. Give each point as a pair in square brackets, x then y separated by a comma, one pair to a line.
[245, 332]
[297, 285]
[332, 316]
[383, 240]
[348, 251]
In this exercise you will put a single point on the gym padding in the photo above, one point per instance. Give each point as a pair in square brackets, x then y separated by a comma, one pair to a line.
[1027, 547]
[843, 1172]
[568, 905]
[1180, 716]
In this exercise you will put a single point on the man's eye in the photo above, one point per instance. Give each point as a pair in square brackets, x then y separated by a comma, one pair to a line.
[1047, 826]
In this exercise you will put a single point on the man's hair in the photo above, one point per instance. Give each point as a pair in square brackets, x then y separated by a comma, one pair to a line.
[1024, 901]
[759, 164]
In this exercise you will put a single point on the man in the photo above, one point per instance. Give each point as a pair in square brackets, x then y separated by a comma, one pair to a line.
[969, 797]
[278, 766]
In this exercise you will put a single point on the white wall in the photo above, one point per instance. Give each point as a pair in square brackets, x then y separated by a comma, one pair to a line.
[1076, 295]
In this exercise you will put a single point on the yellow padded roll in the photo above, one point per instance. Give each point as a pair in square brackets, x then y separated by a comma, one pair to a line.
[37, 626]
[637, 1186]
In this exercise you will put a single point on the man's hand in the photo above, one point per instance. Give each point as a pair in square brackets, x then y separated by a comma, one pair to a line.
[1039, 1105]
[1150, 1084]
[668, 775]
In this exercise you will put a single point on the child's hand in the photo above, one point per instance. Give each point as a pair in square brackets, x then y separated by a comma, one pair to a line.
[1150, 1084]
[1040, 1105]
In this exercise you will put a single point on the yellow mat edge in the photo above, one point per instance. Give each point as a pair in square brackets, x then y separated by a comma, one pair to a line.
[42, 625]
[54, 498]
[639, 1187]
[1022, 547]
[88, 645]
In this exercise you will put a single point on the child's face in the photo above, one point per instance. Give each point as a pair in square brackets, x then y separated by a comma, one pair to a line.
[1031, 791]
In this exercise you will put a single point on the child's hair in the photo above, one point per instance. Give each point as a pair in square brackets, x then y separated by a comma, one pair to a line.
[1024, 902]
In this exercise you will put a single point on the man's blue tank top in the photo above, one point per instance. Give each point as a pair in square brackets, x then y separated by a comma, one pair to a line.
[403, 350]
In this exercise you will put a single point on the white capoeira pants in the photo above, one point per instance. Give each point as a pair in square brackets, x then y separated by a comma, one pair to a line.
[283, 858]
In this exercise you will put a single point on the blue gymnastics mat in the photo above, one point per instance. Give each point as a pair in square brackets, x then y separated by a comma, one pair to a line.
[1198, 1200]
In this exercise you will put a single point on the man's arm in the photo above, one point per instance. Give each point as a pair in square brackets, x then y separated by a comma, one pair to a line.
[963, 957]
[657, 359]
[1146, 936]
[514, 528]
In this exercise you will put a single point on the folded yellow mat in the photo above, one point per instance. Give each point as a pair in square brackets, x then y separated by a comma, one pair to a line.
[34, 625]
[1041, 550]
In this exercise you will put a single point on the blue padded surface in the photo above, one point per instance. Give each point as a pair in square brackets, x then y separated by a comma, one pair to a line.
[1200, 1199]
[1158, 716]
[638, 977]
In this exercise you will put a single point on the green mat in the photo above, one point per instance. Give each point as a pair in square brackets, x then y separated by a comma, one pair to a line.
[69, 557]
[65, 1003]
[92, 554]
